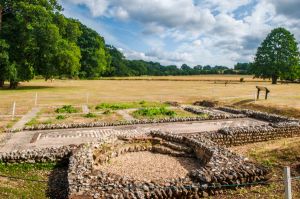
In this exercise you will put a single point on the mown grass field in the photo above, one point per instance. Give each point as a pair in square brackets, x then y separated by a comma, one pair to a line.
[283, 99]
[179, 89]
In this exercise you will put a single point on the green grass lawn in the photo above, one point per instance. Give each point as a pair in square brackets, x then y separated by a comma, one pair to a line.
[159, 113]
[276, 155]
[128, 105]
[16, 188]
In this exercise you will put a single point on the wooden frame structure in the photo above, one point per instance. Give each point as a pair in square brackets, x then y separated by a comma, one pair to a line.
[260, 88]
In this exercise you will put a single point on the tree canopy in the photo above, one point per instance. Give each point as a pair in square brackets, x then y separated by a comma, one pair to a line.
[277, 57]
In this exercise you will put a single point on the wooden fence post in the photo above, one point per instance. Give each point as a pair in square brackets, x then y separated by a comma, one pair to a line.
[13, 110]
[287, 183]
[36, 98]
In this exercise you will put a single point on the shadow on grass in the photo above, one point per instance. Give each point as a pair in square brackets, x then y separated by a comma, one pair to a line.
[58, 181]
[242, 102]
[27, 88]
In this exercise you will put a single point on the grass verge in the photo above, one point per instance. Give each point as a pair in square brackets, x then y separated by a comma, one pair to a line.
[274, 154]
[14, 188]
[128, 105]
[289, 112]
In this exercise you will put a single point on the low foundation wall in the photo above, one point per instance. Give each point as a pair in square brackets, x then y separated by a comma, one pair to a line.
[53, 154]
[105, 124]
[221, 169]
[273, 118]
[245, 135]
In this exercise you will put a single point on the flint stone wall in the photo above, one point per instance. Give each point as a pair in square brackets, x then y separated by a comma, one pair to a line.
[222, 169]
[235, 136]
[273, 118]
[105, 124]
[212, 115]
[53, 154]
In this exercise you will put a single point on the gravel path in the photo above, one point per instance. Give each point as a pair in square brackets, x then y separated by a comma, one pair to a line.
[150, 166]
[125, 115]
[26, 118]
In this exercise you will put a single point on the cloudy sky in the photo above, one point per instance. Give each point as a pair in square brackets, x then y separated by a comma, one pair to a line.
[215, 32]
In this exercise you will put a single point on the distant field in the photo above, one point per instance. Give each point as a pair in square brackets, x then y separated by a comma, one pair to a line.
[77, 92]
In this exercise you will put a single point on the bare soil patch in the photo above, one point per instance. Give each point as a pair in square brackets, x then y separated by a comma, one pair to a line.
[147, 166]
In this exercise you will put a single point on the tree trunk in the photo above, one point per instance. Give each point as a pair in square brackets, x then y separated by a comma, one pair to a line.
[13, 84]
[1, 83]
[274, 79]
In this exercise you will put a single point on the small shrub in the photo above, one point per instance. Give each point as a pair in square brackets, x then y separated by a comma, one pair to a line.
[32, 122]
[66, 109]
[48, 122]
[142, 102]
[60, 117]
[206, 103]
[90, 115]
[242, 80]
[107, 112]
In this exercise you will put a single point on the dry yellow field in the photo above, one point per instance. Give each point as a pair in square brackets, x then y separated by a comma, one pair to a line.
[77, 92]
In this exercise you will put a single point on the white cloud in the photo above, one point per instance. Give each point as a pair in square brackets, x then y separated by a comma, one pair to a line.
[119, 13]
[198, 31]
[224, 6]
[97, 7]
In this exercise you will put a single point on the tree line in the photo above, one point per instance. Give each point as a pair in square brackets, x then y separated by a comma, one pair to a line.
[36, 39]
[120, 66]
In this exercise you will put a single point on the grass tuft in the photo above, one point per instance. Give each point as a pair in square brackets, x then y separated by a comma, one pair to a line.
[90, 115]
[61, 117]
[66, 109]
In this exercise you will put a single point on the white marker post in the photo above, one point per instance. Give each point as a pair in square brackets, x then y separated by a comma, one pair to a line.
[13, 110]
[287, 183]
[36, 98]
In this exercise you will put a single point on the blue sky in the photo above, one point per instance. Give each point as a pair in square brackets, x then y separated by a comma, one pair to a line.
[215, 32]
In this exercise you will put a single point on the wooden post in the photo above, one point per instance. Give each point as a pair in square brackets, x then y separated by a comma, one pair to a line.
[258, 91]
[287, 183]
[36, 98]
[13, 110]
[267, 92]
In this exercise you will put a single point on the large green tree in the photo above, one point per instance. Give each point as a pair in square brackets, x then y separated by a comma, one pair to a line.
[4, 62]
[41, 41]
[95, 58]
[277, 57]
